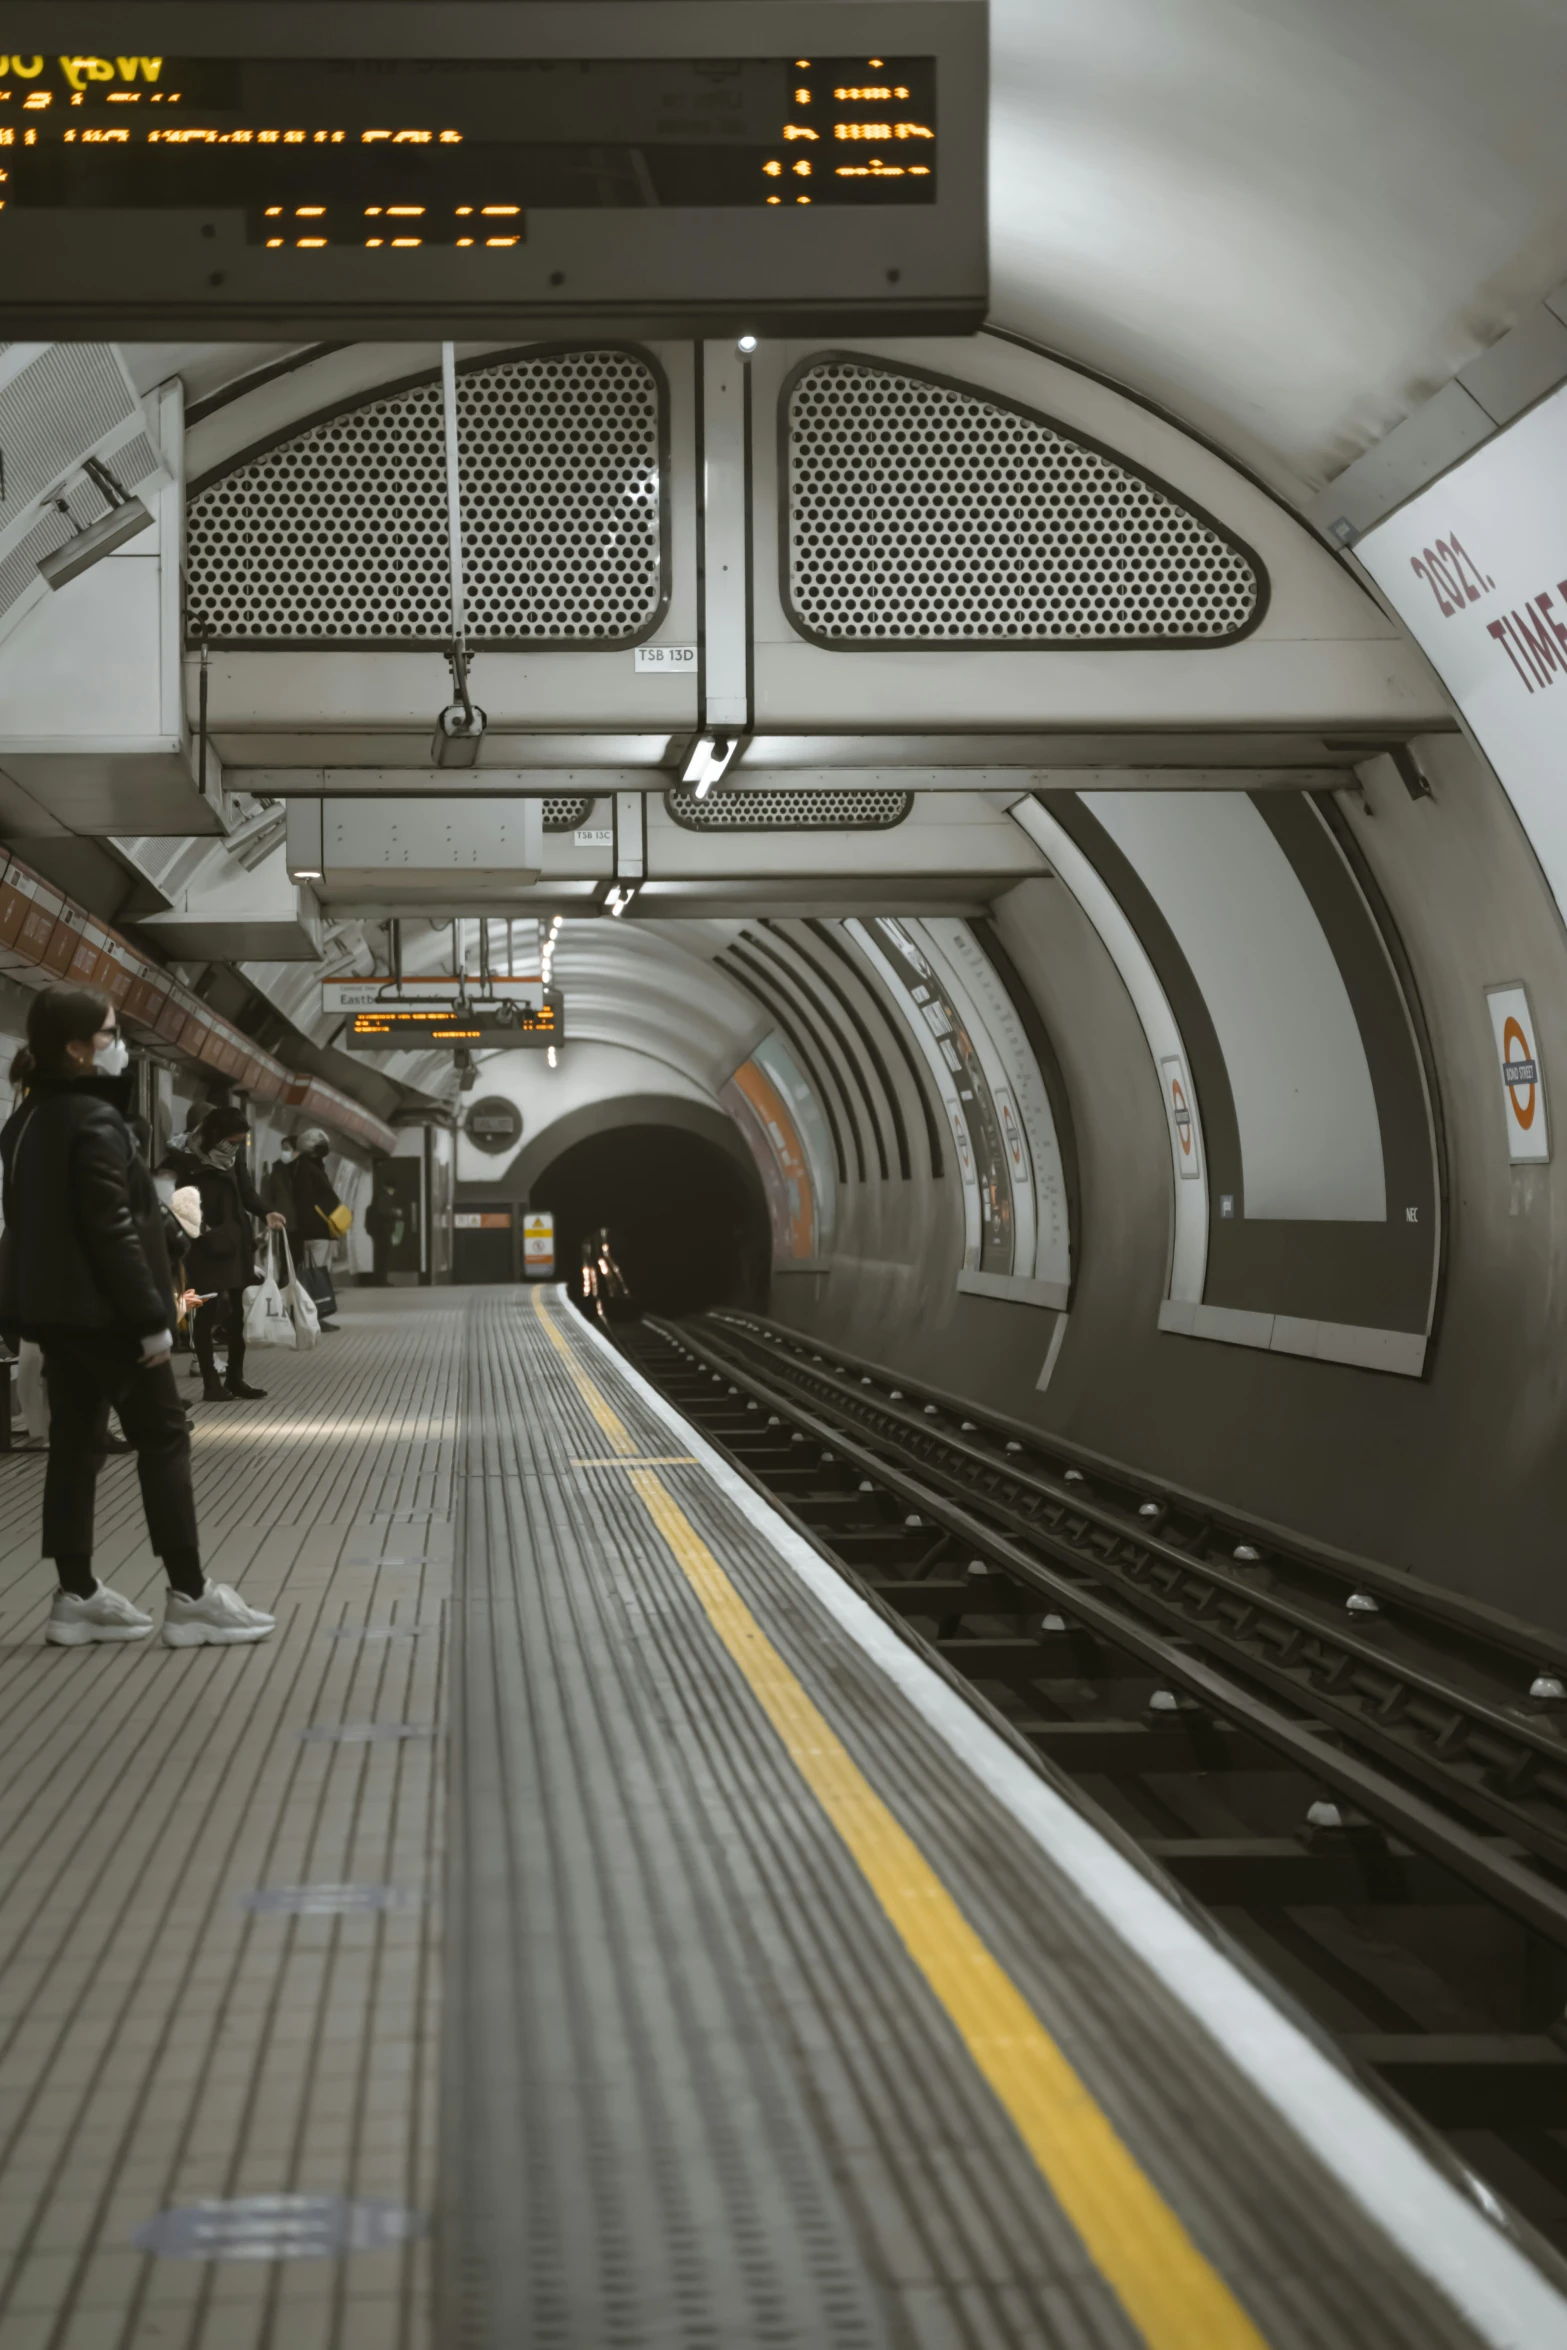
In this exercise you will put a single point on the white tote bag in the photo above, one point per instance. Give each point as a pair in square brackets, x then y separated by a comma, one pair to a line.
[267, 1320]
[299, 1302]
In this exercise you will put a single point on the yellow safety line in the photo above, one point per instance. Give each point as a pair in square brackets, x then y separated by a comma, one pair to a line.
[1172, 2294]
[640, 1460]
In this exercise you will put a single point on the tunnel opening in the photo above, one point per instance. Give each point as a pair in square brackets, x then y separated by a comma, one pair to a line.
[686, 1221]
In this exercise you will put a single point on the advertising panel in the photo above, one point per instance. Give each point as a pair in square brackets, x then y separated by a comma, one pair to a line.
[1476, 568]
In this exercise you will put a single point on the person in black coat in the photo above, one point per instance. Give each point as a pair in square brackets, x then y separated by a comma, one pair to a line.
[84, 1272]
[221, 1261]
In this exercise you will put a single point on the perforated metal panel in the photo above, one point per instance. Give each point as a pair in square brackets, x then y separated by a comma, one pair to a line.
[564, 812]
[921, 512]
[336, 537]
[789, 811]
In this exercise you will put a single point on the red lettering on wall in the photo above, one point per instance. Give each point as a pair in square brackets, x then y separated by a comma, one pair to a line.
[1498, 629]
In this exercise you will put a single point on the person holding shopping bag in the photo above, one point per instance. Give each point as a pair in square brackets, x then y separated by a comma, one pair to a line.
[319, 1219]
[221, 1261]
[84, 1272]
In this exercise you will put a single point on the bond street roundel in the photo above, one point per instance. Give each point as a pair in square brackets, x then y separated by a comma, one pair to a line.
[1183, 1123]
[1521, 1072]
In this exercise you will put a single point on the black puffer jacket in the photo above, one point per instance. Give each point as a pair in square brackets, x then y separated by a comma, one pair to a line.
[314, 1198]
[223, 1255]
[83, 1247]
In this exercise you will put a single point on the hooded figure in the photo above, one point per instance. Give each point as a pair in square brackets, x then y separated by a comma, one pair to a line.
[221, 1260]
[315, 1203]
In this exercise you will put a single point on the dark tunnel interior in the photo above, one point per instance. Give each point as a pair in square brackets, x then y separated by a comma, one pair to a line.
[688, 1223]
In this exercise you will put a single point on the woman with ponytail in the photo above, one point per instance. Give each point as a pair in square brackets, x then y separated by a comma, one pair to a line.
[84, 1271]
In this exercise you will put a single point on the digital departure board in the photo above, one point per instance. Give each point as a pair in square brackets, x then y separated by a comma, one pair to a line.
[394, 154]
[244, 168]
[412, 1028]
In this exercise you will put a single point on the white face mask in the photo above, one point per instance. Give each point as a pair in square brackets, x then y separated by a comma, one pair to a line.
[112, 1059]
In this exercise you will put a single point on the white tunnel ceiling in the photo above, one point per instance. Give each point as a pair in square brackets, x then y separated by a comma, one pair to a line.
[1290, 222]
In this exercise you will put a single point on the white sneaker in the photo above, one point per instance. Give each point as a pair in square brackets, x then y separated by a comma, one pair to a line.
[74, 1622]
[218, 1619]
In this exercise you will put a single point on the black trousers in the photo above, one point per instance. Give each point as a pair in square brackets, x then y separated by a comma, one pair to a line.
[226, 1310]
[88, 1371]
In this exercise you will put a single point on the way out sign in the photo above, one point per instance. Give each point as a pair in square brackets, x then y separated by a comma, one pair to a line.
[1522, 1078]
[538, 1245]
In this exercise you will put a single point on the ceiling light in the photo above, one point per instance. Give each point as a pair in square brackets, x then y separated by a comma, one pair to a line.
[706, 761]
[126, 518]
[746, 345]
[307, 873]
[458, 733]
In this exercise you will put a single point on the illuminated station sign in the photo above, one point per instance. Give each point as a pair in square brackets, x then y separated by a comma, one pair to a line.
[412, 1028]
[608, 161]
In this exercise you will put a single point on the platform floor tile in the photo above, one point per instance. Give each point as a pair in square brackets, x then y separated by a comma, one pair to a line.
[162, 2044]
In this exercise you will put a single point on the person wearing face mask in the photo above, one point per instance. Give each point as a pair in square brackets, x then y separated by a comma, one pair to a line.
[221, 1261]
[84, 1272]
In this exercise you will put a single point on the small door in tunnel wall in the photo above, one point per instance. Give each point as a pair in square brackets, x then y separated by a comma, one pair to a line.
[483, 1243]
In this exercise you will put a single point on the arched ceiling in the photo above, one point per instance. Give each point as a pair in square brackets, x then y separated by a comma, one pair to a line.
[1289, 220]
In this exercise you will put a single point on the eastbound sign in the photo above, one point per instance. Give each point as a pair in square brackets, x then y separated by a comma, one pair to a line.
[1523, 1082]
[372, 994]
[1476, 566]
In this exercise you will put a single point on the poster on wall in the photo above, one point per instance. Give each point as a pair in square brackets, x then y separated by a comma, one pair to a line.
[760, 1107]
[1476, 568]
[1028, 1130]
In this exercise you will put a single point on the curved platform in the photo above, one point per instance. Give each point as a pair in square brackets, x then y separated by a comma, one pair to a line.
[788, 2005]
[792, 2004]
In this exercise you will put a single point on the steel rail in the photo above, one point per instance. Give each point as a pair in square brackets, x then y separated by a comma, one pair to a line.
[1534, 1899]
[1534, 1645]
[1504, 1767]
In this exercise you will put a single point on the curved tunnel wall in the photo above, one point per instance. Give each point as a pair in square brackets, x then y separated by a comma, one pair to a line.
[1457, 1473]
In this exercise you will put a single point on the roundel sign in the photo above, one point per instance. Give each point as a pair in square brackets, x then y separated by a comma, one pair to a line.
[1183, 1126]
[1522, 1079]
[493, 1125]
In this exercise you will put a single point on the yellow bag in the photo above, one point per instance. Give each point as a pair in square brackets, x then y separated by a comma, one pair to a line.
[339, 1220]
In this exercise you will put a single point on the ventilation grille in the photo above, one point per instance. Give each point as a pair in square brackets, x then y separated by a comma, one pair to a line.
[923, 513]
[337, 537]
[60, 405]
[563, 813]
[790, 811]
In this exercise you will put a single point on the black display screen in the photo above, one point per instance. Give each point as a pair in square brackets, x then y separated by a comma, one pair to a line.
[410, 1027]
[402, 152]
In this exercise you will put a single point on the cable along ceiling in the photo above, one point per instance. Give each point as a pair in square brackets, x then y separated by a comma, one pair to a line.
[336, 537]
[924, 512]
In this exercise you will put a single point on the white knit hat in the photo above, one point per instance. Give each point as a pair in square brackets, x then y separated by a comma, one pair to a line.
[185, 1208]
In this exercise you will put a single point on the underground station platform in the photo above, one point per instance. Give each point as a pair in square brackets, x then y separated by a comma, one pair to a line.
[593, 1921]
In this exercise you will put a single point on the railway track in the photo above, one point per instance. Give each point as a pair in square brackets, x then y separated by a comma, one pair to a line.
[1362, 1778]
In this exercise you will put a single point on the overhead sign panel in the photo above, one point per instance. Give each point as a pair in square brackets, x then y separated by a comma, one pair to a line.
[1476, 567]
[609, 164]
[413, 1028]
[438, 993]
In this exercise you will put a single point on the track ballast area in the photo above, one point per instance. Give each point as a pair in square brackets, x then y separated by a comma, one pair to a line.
[1363, 1778]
